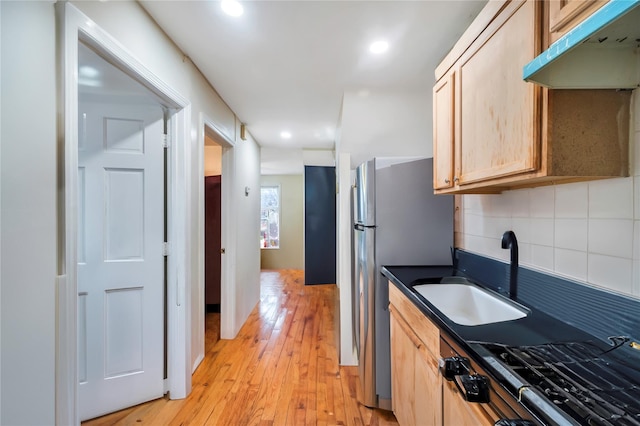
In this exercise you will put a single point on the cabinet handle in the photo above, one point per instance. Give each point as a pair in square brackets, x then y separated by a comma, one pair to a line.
[456, 179]
[447, 181]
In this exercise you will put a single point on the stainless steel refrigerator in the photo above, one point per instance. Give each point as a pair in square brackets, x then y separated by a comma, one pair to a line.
[397, 221]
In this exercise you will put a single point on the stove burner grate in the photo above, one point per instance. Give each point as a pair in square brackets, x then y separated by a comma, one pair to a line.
[589, 385]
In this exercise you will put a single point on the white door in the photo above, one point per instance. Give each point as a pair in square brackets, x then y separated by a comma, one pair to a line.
[120, 256]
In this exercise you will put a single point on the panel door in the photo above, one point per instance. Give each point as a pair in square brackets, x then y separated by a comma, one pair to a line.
[403, 354]
[499, 117]
[565, 14]
[443, 132]
[120, 256]
[457, 411]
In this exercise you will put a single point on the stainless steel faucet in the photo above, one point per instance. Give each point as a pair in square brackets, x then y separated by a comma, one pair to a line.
[509, 241]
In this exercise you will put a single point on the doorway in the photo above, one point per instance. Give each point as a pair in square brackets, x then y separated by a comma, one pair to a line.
[76, 28]
[212, 239]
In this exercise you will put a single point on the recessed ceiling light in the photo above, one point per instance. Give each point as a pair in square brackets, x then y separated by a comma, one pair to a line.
[379, 46]
[285, 135]
[232, 7]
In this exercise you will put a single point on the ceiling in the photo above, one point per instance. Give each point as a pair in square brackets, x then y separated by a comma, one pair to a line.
[286, 65]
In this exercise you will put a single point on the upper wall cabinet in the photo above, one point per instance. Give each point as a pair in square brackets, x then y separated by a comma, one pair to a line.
[565, 14]
[493, 131]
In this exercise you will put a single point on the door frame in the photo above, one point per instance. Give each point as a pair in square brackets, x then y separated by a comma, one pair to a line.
[228, 240]
[74, 27]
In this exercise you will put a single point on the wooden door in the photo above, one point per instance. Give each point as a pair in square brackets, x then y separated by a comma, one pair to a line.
[443, 132]
[499, 113]
[402, 371]
[120, 256]
[212, 239]
[428, 388]
[565, 14]
[457, 411]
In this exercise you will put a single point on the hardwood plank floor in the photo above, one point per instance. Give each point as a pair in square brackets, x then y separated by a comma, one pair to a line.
[281, 369]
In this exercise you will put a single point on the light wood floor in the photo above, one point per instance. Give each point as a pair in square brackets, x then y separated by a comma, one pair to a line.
[281, 369]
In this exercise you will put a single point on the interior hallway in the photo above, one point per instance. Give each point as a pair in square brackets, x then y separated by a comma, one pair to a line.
[281, 369]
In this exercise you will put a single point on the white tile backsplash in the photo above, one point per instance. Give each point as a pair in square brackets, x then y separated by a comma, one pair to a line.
[522, 228]
[611, 198]
[473, 203]
[611, 237]
[542, 257]
[610, 272]
[519, 203]
[636, 259]
[473, 224]
[572, 200]
[636, 240]
[571, 234]
[542, 231]
[636, 195]
[635, 284]
[588, 231]
[542, 202]
[571, 263]
[496, 226]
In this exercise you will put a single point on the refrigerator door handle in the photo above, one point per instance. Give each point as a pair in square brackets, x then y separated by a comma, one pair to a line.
[361, 227]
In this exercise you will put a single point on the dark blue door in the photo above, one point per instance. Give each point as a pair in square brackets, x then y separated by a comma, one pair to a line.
[319, 225]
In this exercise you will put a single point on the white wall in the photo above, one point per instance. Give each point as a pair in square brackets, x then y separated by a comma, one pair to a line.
[588, 231]
[248, 229]
[383, 124]
[28, 188]
[28, 226]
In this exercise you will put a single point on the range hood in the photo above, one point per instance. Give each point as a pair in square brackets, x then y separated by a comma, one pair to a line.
[602, 52]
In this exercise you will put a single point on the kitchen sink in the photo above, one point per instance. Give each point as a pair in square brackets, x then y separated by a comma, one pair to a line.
[467, 304]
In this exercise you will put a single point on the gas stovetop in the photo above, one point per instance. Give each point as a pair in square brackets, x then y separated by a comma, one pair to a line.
[589, 384]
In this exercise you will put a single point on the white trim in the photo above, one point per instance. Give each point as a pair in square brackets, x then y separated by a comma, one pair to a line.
[347, 346]
[178, 292]
[74, 26]
[228, 232]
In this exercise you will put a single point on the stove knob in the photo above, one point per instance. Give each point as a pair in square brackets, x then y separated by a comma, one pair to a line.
[453, 366]
[514, 422]
[474, 387]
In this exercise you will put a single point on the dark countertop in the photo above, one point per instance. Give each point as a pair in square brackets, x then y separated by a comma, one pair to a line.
[534, 329]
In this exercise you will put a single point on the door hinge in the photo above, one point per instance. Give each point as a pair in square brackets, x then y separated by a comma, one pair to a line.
[165, 249]
[165, 141]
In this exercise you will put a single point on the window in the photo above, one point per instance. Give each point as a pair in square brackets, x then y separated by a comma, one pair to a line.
[270, 217]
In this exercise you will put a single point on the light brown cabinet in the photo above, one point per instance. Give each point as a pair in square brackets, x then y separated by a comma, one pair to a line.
[493, 131]
[420, 396]
[416, 384]
[443, 130]
[457, 411]
[566, 14]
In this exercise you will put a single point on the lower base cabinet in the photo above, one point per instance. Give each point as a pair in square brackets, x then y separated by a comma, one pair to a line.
[457, 411]
[416, 384]
[420, 396]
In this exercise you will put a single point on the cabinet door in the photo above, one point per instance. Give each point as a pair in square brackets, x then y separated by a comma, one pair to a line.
[499, 112]
[428, 389]
[565, 14]
[402, 372]
[443, 131]
[457, 411]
